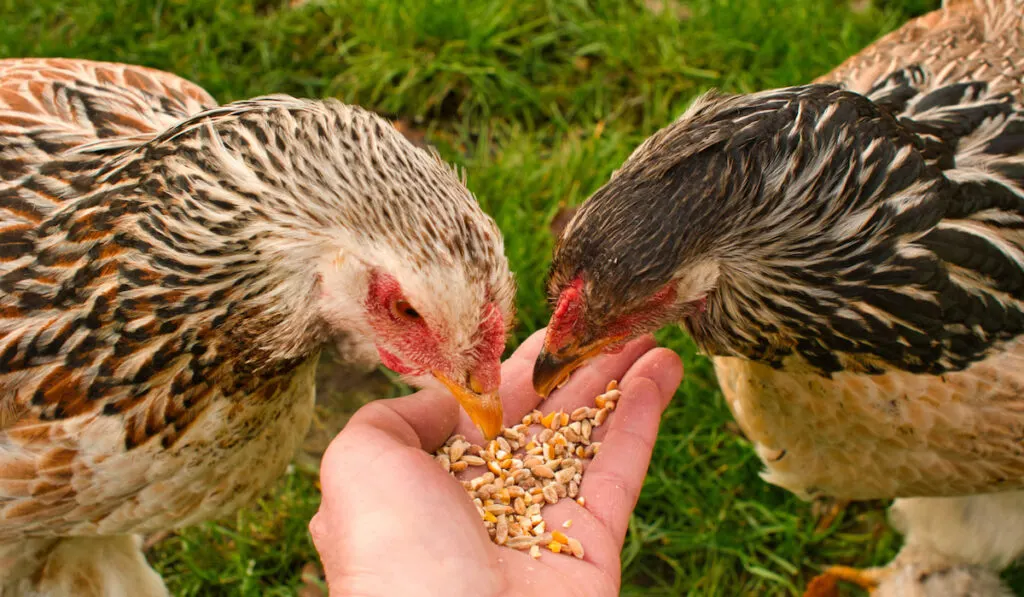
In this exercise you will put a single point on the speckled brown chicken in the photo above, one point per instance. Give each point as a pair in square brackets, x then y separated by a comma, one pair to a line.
[850, 253]
[168, 272]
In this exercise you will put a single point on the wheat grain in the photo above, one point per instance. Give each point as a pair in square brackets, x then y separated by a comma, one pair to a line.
[525, 471]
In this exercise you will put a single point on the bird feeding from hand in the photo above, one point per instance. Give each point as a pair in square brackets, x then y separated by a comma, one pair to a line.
[169, 271]
[849, 254]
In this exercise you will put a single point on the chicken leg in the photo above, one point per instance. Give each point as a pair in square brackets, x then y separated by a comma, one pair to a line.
[953, 546]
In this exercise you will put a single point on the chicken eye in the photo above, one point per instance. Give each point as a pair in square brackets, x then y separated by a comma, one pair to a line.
[403, 310]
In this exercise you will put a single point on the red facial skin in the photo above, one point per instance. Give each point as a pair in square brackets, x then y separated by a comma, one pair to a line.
[565, 320]
[568, 320]
[421, 346]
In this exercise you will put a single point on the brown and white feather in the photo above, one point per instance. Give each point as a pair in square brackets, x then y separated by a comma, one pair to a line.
[164, 263]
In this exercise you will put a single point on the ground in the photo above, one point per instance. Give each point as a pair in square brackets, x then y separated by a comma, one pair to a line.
[539, 100]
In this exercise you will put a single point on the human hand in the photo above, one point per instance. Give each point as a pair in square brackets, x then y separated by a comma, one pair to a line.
[393, 522]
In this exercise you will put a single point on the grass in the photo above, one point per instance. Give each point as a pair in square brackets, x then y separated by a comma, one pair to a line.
[539, 100]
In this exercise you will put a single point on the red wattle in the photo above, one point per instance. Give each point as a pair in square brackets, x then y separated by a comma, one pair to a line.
[392, 362]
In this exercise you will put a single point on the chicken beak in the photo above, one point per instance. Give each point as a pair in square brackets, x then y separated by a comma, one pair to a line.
[552, 369]
[483, 408]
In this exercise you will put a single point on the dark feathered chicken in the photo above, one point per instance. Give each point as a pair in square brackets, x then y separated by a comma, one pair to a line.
[851, 253]
[168, 272]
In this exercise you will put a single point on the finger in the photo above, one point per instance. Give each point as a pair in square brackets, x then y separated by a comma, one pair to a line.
[612, 482]
[517, 395]
[422, 420]
[592, 379]
[662, 366]
[427, 418]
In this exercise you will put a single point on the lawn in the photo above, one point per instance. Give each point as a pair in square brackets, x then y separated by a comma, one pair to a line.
[539, 100]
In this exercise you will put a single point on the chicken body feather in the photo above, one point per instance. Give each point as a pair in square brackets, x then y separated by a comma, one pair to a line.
[850, 255]
[169, 269]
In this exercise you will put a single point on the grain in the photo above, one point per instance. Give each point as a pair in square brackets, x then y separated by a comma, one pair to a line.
[576, 547]
[457, 450]
[473, 460]
[536, 463]
[542, 471]
[446, 463]
[565, 475]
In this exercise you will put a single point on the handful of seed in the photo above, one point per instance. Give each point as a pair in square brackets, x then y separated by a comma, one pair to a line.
[527, 469]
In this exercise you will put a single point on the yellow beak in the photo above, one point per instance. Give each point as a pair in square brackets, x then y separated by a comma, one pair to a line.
[484, 409]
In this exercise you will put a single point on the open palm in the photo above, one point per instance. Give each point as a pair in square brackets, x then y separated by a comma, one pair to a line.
[392, 522]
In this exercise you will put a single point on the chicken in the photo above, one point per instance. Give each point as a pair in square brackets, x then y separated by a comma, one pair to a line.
[169, 270]
[850, 253]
